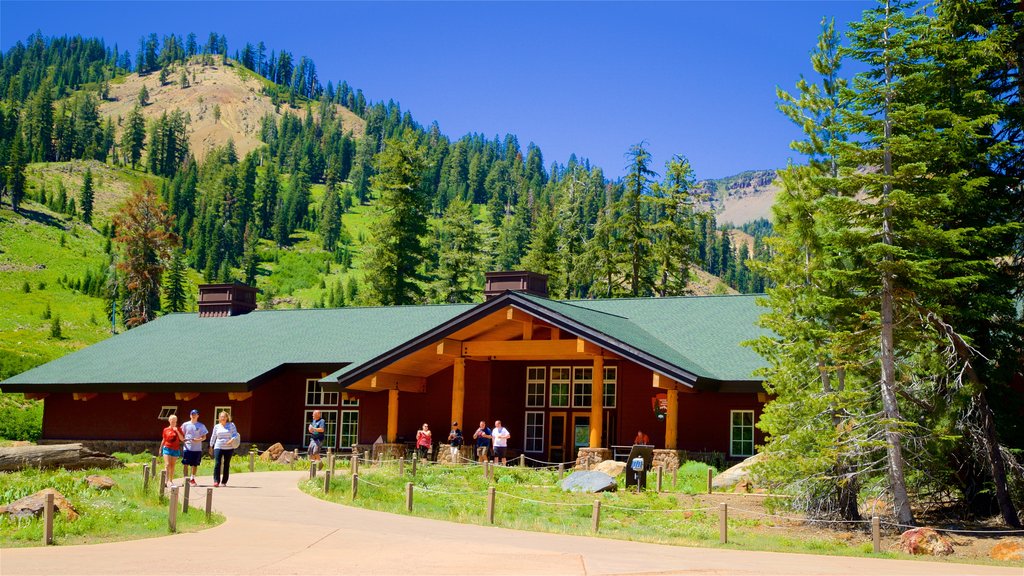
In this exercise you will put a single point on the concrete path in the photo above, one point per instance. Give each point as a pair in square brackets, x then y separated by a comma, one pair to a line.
[273, 528]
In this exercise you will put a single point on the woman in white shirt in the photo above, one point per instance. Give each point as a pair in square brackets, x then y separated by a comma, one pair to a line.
[222, 443]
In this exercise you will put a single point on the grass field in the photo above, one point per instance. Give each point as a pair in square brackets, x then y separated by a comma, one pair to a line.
[529, 499]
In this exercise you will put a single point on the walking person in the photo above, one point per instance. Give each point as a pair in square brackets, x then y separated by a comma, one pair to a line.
[317, 429]
[170, 446]
[195, 433]
[482, 441]
[223, 441]
[423, 441]
[500, 435]
[455, 441]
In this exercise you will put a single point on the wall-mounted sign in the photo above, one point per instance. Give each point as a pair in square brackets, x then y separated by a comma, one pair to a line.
[659, 403]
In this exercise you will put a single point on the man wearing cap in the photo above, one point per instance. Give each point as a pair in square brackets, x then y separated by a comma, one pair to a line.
[455, 441]
[195, 433]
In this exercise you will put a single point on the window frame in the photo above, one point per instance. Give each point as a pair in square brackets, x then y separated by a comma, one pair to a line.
[588, 382]
[323, 394]
[732, 430]
[567, 382]
[348, 401]
[164, 415]
[613, 382]
[307, 417]
[341, 428]
[536, 440]
[533, 397]
[217, 410]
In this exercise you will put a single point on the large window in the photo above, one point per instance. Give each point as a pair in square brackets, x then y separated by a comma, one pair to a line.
[535, 380]
[559, 387]
[610, 375]
[582, 385]
[349, 428]
[534, 432]
[330, 418]
[741, 433]
[317, 396]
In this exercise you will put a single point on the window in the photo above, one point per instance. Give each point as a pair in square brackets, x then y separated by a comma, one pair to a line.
[316, 396]
[330, 418]
[349, 428]
[534, 432]
[559, 387]
[582, 384]
[166, 412]
[347, 400]
[610, 375]
[741, 433]
[535, 380]
[217, 410]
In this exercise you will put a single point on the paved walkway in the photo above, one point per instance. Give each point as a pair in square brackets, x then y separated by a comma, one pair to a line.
[273, 528]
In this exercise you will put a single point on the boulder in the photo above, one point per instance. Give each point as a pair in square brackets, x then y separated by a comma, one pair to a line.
[68, 456]
[100, 482]
[735, 475]
[1008, 551]
[925, 541]
[285, 458]
[272, 453]
[611, 467]
[588, 481]
[34, 504]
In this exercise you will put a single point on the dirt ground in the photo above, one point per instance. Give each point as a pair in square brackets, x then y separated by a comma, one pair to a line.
[753, 505]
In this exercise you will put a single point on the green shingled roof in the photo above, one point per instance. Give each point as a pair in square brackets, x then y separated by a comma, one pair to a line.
[700, 336]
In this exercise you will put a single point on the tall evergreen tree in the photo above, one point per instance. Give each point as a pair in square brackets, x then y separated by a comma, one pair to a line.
[85, 198]
[145, 232]
[632, 222]
[674, 240]
[459, 255]
[174, 284]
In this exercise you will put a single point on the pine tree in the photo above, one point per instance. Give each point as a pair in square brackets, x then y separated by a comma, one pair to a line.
[394, 251]
[330, 220]
[459, 255]
[145, 233]
[174, 284]
[632, 224]
[133, 139]
[542, 256]
[143, 98]
[85, 198]
[675, 242]
[250, 256]
[15, 185]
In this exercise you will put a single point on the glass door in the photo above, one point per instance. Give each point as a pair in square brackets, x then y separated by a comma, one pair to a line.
[556, 437]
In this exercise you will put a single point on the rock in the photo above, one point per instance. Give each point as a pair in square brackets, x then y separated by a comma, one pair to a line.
[100, 482]
[925, 541]
[68, 456]
[736, 474]
[34, 504]
[611, 467]
[272, 453]
[285, 458]
[589, 481]
[1008, 551]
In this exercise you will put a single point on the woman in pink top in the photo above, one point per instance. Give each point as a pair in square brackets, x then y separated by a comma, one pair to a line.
[423, 441]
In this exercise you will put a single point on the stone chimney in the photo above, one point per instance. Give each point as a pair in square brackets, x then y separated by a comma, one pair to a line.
[226, 299]
[521, 281]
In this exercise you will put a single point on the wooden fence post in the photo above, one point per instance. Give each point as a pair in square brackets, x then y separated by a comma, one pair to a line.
[330, 460]
[595, 516]
[145, 477]
[209, 504]
[172, 512]
[252, 462]
[152, 467]
[414, 459]
[355, 486]
[490, 505]
[327, 481]
[408, 496]
[561, 472]
[661, 470]
[723, 523]
[48, 520]
[163, 483]
[709, 480]
[675, 477]
[184, 498]
[355, 462]
[312, 469]
[876, 534]
[401, 466]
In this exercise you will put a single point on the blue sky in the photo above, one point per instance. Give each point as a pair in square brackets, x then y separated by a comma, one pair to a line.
[696, 78]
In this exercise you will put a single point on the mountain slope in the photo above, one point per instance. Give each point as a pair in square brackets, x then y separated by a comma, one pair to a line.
[744, 197]
[223, 101]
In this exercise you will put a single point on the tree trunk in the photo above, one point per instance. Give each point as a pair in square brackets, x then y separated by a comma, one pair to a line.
[68, 456]
[897, 482]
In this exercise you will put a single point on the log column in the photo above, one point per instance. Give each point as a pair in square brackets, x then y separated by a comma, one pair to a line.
[392, 414]
[596, 402]
[458, 390]
[672, 420]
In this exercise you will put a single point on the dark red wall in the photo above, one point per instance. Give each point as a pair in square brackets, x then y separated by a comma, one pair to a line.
[494, 390]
